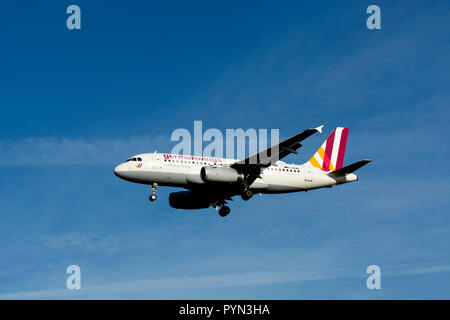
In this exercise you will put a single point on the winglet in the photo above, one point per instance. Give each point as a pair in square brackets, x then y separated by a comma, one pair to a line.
[319, 128]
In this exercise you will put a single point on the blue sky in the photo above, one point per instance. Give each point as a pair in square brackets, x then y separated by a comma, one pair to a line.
[76, 103]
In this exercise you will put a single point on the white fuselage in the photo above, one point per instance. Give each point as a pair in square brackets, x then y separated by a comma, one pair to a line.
[184, 171]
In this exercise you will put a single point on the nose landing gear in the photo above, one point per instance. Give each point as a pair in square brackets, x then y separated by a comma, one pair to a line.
[153, 195]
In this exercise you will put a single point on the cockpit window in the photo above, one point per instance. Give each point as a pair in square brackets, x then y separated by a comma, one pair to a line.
[134, 159]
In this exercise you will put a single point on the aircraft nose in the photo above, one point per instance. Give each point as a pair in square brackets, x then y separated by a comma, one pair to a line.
[118, 170]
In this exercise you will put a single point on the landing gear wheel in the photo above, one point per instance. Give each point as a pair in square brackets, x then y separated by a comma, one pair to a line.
[153, 195]
[224, 211]
[247, 194]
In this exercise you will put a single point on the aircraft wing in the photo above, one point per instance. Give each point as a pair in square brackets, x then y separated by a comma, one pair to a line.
[251, 166]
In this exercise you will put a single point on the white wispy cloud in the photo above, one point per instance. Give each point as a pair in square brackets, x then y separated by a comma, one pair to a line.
[83, 151]
[177, 284]
[183, 283]
[79, 242]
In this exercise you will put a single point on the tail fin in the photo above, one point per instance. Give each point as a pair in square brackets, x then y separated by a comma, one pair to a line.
[330, 156]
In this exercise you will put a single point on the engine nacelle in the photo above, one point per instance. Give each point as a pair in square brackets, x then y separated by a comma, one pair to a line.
[220, 175]
[187, 200]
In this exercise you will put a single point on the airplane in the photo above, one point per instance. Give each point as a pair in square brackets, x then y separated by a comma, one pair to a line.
[211, 181]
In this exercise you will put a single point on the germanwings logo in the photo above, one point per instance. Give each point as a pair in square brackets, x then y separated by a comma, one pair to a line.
[138, 165]
[330, 156]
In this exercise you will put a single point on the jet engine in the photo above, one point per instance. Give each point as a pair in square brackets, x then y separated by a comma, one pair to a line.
[220, 175]
[187, 200]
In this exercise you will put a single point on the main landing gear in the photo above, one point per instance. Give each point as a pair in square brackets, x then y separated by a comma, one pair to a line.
[153, 195]
[247, 194]
[224, 211]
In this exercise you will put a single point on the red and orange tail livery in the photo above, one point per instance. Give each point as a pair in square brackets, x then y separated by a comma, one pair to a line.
[330, 156]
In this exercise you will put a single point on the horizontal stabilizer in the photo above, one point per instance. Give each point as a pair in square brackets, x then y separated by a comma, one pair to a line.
[349, 169]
